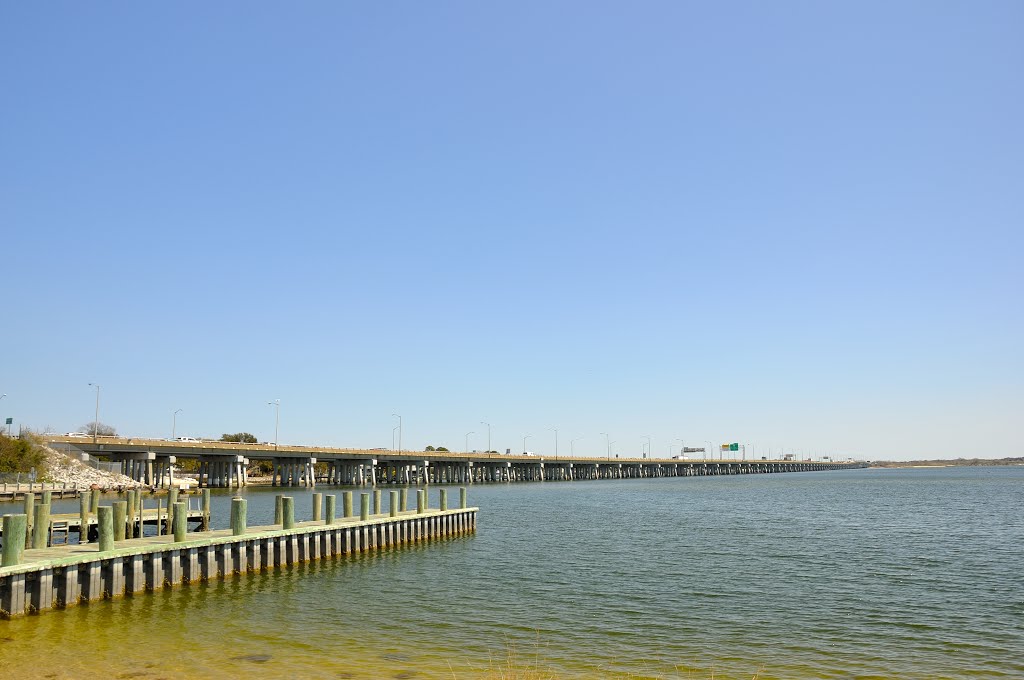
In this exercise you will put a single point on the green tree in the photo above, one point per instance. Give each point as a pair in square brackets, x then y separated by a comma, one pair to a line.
[99, 429]
[441, 448]
[240, 438]
[21, 455]
[430, 448]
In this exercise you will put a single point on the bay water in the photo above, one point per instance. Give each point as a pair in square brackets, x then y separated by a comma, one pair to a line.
[877, 573]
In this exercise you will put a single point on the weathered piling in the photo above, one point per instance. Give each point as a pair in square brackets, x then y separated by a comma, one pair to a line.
[15, 530]
[317, 505]
[462, 497]
[132, 496]
[239, 511]
[279, 509]
[120, 518]
[105, 526]
[420, 504]
[346, 504]
[83, 517]
[376, 501]
[94, 501]
[180, 521]
[444, 499]
[41, 527]
[330, 510]
[30, 511]
[206, 510]
[288, 512]
[46, 497]
[393, 503]
[364, 506]
[405, 499]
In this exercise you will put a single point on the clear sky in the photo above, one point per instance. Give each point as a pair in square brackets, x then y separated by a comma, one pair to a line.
[790, 224]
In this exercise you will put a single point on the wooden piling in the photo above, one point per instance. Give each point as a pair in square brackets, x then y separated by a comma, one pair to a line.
[15, 530]
[83, 517]
[132, 499]
[376, 501]
[346, 504]
[180, 520]
[279, 509]
[444, 499]
[288, 512]
[105, 522]
[206, 510]
[94, 501]
[420, 506]
[41, 527]
[364, 506]
[393, 503]
[329, 514]
[405, 499]
[120, 517]
[30, 504]
[239, 511]
[462, 498]
[317, 505]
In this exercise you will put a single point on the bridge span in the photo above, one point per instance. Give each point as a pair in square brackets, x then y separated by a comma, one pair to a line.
[224, 464]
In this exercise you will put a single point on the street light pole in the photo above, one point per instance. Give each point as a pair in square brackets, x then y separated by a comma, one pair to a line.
[555, 429]
[393, 430]
[572, 446]
[525, 437]
[467, 440]
[488, 435]
[174, 424]
[277, 419]
[399, 431]
[648, 438]
[607, 445]
[96, 422]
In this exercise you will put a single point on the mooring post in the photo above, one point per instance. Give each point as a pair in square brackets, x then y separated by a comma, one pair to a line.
[279, 509]
[462, 497]
[159, 510]
[206, 509]
[393, 503]
[317, 505]
[120, 516]
[239, 510]
[94, 501]
[132, 495]
[15, 528]
[364, 506]
[405, 499]
[376, 501]
[30, 503]
[83, 517]
[444, 499]
[426, 497]
[41, 527]
[288, 512]
[346, 504]
[46, 497]
[172, 499]
[180, 521]
[329, 514]
[105, 521]
[420, 505]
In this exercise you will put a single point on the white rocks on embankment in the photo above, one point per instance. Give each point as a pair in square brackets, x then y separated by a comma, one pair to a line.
[63, 469]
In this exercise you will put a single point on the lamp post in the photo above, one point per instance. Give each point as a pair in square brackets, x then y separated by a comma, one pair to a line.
[572, 446]
[393, 431]
[467, 440]
[709, 453]
[607, 446]
[525, 437]
[277, 419]
[682, 447]
[555, 430]
[174, 424]
[96, 422]
[648, 438]
[399, 431]
[488, 435]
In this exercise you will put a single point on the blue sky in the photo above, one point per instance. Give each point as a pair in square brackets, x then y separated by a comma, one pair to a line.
[787, 224]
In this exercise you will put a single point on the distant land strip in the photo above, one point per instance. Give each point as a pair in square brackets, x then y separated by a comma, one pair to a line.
[953, 462]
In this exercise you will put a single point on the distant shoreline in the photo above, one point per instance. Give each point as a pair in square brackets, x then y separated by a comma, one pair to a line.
[958, 462]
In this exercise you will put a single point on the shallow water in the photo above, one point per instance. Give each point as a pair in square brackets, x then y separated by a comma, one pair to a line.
[853, 574]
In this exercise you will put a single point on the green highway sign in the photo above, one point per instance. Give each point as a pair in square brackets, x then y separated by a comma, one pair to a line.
[734, 447]
[9, 421]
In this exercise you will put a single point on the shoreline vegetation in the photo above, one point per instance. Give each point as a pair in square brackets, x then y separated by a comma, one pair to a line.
[955, 462]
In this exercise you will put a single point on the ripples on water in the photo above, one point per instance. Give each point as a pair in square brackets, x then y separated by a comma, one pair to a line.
[859, 574]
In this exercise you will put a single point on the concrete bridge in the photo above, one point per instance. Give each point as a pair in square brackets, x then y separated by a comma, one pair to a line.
[223, 464]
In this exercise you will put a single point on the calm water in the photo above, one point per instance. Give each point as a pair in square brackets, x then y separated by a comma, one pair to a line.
[860, 574]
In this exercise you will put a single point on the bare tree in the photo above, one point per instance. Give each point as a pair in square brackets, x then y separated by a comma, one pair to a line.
[99, 429]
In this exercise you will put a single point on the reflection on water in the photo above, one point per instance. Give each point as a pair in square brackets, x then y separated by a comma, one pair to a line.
[870, 573]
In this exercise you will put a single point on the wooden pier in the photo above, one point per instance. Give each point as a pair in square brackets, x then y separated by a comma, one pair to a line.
[56, 577]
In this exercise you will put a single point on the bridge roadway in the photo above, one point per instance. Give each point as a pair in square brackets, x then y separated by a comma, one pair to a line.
[223, 464]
